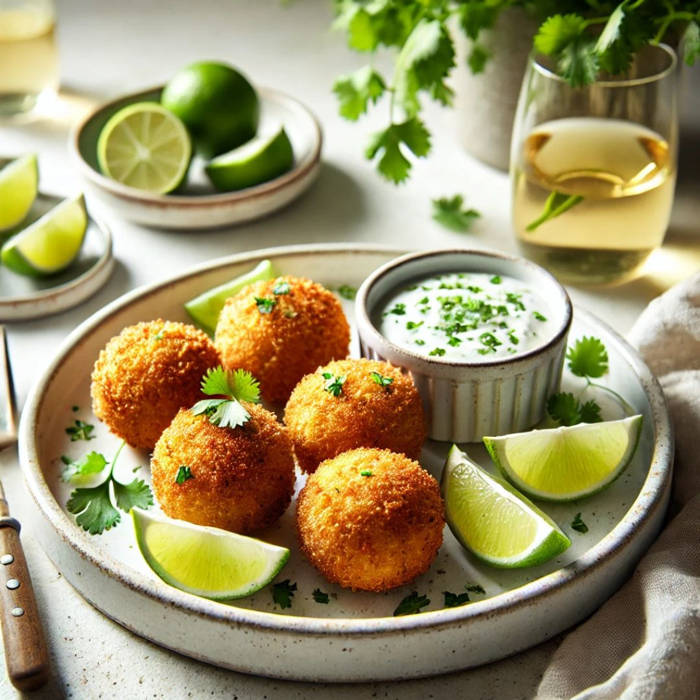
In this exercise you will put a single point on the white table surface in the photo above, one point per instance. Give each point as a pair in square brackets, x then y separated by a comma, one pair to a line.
[108, 48]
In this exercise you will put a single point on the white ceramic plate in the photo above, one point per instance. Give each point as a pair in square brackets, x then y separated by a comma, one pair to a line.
[23, 297]
[199, 206]
[354, 637]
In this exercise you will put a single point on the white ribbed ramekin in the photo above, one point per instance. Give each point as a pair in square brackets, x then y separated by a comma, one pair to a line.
[464, 401]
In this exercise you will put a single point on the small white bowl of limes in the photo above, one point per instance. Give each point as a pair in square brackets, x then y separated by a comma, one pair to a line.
[206, 150]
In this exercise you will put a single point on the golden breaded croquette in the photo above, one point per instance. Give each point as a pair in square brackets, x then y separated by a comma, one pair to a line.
[370, 519]
[279, 330]
[376, 405]
[242, 478]
[147, 373]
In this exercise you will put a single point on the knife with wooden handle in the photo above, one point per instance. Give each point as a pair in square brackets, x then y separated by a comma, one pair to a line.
[26, 653]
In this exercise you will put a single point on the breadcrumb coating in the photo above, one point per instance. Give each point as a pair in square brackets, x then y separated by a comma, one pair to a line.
[147, 373]
[282, 336]
[370, 519]
[364, 414]
[242, 478]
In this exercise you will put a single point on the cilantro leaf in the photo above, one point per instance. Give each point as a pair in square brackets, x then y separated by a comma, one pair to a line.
[283, 592]
[578, 524]
[557, 32]
[94, 509]
[80, 430]
[448, 211]
[475, 588]
[281, 287]
[183, 474]
[216, 382]
[565, 408]
[334, 383]
[380, 379]
[244, 386]
[391, 145]
[453, 600]
[229, 414]
[238, 386]
[590, 412]
[691, 43]
[611, 30]
[588, 357]
[475, 16]
[135, 494]
[320, 596]
[91, 463]
[366, 472]
[477, 59]
[357, 90]
[411, 604]
[265, 304]
[578, 63]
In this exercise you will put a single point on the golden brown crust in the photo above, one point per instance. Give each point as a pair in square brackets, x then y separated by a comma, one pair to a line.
[147, 373]
[242, 478]
[373, 532]
[304, 329]
[365, 414]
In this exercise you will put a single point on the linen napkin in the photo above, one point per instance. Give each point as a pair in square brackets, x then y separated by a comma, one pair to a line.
[645, 641]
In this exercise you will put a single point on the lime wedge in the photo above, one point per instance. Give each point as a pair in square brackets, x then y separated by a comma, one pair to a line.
[51, 243]
[259, 160]
[18, 184]
[562, 464]
[493, 521]
[205, 308]
[206, 561]
[145, 146]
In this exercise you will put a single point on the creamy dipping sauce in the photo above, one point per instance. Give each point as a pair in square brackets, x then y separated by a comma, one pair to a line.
[466, 317]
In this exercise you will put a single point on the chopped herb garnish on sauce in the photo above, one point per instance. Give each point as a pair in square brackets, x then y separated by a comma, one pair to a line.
[320, 596]
[578, 524]
[496, 279]
[490, 343]
[412, 325]
[439, 352]
[80, 430]
[183, 474]
[411, 604]
[539, 316]
[398, 309]
[283, 592]
[333, 384]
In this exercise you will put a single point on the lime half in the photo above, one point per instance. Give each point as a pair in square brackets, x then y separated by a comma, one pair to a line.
[205, 308]
[493, 521]
[259, 160]
[51, 243]
[206, 561]
[18, 185]
[561, 464]
[145, 146]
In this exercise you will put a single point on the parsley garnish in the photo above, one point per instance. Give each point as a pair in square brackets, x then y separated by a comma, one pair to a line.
[475, 588]
[454, 341]
[399, 309]
[588, 358]
[419, 341]
[565, 408]
[578, 524]
[92, 463]
[320, 596]
[490, 343]
[381, 379]
[333, 384]
[265, 304]
[93, 506]
[411, 604]
[366, 472]
[539, 316]
[283, 592]
[496, 279]
[282, 287]
[237, 386]
[347, 292]
[453, 600]
[448, 212]
[183, 474]
[437, 351]
[412, 325]
[80, 431]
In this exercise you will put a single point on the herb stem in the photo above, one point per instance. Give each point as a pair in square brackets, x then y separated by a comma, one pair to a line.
[552, 210]
[116, 457]
[629, 410]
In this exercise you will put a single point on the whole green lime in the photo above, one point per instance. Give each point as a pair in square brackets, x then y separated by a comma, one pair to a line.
[217, 104]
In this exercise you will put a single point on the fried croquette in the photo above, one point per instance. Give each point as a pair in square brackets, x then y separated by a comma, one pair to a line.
[146, 374]
[370, 519]
[239, 479]
[279, 330]
[376, 405]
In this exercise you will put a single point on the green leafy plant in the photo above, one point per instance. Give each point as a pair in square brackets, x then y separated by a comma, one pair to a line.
[582, 37]
[236, 386]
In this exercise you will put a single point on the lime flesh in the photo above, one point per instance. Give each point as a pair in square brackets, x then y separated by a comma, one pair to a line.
[18, 186]
[51, 243]
[145, 146]
[562, 464]
[206, 561]
[261, 159]
[205, 308]
[493, 521]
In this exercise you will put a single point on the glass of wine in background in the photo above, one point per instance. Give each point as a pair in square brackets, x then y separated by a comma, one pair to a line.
[28, 54]
[593, 168]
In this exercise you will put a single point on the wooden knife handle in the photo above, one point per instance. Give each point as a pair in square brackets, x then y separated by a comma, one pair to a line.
[26, 653]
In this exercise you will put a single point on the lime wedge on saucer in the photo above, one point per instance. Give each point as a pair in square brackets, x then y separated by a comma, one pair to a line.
[145, 146]
[493, 521]
[561, 464]
[206, 561]
[259, 160]
[51, 243]
[18, 185]
[205, 308]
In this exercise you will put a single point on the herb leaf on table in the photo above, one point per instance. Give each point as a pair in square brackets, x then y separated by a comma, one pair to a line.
[449, 212]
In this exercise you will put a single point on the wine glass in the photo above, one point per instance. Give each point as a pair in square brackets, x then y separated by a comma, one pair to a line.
[593, 168]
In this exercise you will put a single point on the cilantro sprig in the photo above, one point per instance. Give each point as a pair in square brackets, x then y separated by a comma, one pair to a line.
[80, 430]
[283, 592]
[97, 508]
[411, 604]
[450, 212]
[236, 386]
[333, 383]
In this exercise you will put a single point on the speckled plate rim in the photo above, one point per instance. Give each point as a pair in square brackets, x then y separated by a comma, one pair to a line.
[651, 498]
[63, 296]
[300, 170]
